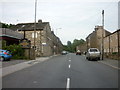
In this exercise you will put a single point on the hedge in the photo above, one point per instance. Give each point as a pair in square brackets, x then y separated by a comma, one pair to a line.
[16, 50]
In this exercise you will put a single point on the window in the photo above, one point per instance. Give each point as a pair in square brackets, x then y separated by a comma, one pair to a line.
[33, 35]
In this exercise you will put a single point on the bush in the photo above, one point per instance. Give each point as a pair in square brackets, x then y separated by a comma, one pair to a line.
[114, 53]
[16, 50]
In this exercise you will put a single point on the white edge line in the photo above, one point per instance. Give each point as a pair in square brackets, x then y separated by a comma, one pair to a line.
[69, 66]
[68, 84]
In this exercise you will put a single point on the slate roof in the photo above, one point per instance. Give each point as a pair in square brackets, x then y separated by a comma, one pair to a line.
[4, 32]
[29, 26]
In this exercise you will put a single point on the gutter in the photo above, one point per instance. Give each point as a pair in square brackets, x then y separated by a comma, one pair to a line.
[9, 36]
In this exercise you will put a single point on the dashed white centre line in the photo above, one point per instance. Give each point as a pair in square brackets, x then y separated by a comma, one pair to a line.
[69, 66]
[69, 60]
[68, 84]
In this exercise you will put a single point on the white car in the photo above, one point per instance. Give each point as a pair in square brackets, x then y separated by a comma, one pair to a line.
[64, 52]
[93, 53]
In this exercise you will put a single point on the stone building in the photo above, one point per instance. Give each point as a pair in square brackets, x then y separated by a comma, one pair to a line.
[57, 44]
[44, 40]
[94, 40]
[112, 45]
[82, 47]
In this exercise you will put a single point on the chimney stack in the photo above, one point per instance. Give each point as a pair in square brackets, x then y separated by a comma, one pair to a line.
[39, 21]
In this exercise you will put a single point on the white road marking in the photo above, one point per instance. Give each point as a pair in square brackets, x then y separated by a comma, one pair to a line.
[69, 66]
[69, 60]
[35, 82]
[68, 84]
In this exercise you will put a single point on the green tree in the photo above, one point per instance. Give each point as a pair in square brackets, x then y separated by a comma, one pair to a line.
[69, 43]
[4, 25]
[71, 47]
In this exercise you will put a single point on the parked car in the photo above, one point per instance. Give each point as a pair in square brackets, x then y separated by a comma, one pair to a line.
[78, 52]
[93, 53]
[5, 55]
[64, 52]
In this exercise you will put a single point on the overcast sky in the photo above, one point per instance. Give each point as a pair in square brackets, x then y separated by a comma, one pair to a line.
[70, 19]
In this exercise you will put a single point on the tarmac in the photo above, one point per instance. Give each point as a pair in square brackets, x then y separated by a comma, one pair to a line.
[19, 65]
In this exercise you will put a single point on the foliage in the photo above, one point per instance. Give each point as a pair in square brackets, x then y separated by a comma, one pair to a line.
[115, 53]
[16, 50]
[3, 43]
[71, 47]
[4, 25]
[69, 43]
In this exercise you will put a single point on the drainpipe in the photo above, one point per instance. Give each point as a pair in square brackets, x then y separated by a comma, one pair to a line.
[109, 45]
[118, 44]
[24, 34]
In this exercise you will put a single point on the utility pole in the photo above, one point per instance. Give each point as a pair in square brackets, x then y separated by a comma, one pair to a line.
[102, 35]
[35, 27]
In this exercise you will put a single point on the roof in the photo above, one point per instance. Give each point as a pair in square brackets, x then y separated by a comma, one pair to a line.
[113, 32]
[10, 33]
[29, 26]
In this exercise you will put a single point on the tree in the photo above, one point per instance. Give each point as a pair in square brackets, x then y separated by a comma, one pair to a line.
[4, 25]
[69, 43]
[71, 47]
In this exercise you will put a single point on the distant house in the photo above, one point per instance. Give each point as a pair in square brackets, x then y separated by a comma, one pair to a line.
[82, 47]
[94, 40]
[9, 36]
[45, 41]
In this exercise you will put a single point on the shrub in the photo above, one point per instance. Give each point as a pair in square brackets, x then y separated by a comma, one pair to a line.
[16, 50]
[114, 53]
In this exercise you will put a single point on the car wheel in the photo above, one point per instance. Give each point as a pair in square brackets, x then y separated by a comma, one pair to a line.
[8, 59]
[98, 58]
[88, 59]
[2, 58]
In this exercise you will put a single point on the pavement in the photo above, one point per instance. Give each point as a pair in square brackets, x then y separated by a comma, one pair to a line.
[111, 63]
[9, 67]
[13, 66]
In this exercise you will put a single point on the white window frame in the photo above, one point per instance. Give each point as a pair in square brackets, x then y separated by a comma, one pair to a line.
[33, 35]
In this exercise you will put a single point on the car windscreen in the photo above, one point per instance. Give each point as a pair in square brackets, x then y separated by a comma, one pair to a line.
[93, 50]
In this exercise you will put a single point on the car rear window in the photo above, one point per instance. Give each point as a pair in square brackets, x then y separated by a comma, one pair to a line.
[93, 50]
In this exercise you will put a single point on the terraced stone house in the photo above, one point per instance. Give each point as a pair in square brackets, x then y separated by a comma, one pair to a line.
[94, 40]
[112, 45]
[46, 42]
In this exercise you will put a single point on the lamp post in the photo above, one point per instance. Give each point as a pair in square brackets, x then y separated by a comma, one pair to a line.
[102, 35]
[35, 27]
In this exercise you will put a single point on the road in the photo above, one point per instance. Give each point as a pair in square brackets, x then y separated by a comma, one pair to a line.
[64, 71]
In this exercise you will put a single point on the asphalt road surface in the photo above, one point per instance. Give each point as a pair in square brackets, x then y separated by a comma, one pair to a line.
[64, 71]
